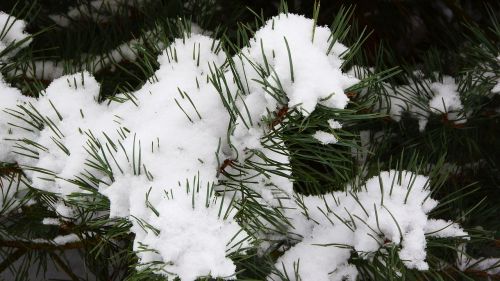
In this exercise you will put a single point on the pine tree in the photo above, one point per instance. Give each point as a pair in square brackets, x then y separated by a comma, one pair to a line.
[263, 140]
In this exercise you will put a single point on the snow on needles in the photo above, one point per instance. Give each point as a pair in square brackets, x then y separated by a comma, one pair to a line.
[156, 154]
[391, 210]
[10, 185]
[446, 99]
[325, 137]
[496, 77]
[12, 32]
[443, 98]
[305, 64]
[150, 154]
[285, 66]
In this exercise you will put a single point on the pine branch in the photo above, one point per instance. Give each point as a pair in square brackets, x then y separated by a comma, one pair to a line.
[64, 266]
[11, 259]
[45, 245]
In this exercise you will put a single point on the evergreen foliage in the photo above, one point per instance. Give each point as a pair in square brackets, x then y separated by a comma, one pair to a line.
[421, 123]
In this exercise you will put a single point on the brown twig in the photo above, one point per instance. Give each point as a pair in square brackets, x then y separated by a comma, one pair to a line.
[351, 95]
[448, 122]
[483, 274]
[10, 169]
[280, 115]
[225, 164]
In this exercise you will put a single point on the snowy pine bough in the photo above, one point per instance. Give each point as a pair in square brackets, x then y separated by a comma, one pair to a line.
[196, 161]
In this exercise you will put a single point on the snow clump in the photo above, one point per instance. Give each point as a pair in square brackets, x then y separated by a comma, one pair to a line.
[390, 210]
[12, 31]
[446, 100]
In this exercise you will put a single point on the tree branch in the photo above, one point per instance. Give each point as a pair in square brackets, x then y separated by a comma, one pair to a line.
[12, 258]
[41, 245]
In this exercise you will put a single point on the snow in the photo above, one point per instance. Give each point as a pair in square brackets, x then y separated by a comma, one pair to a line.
[12, 32]
[300, 72]
[442, 98]
[334, 124]
[51, 221]
[65, 239]
[402, 99]
[102, 142]
[489, 265]
[181, 155]
[201, 237]
[155, 159]
[496, 87]
[391, 208]
[64, 152]
[317, 77]
[44, 70]
[399, 99]
[325, 138]
[10, 97]
[442, 229]
[164, 155]
[446, 99]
